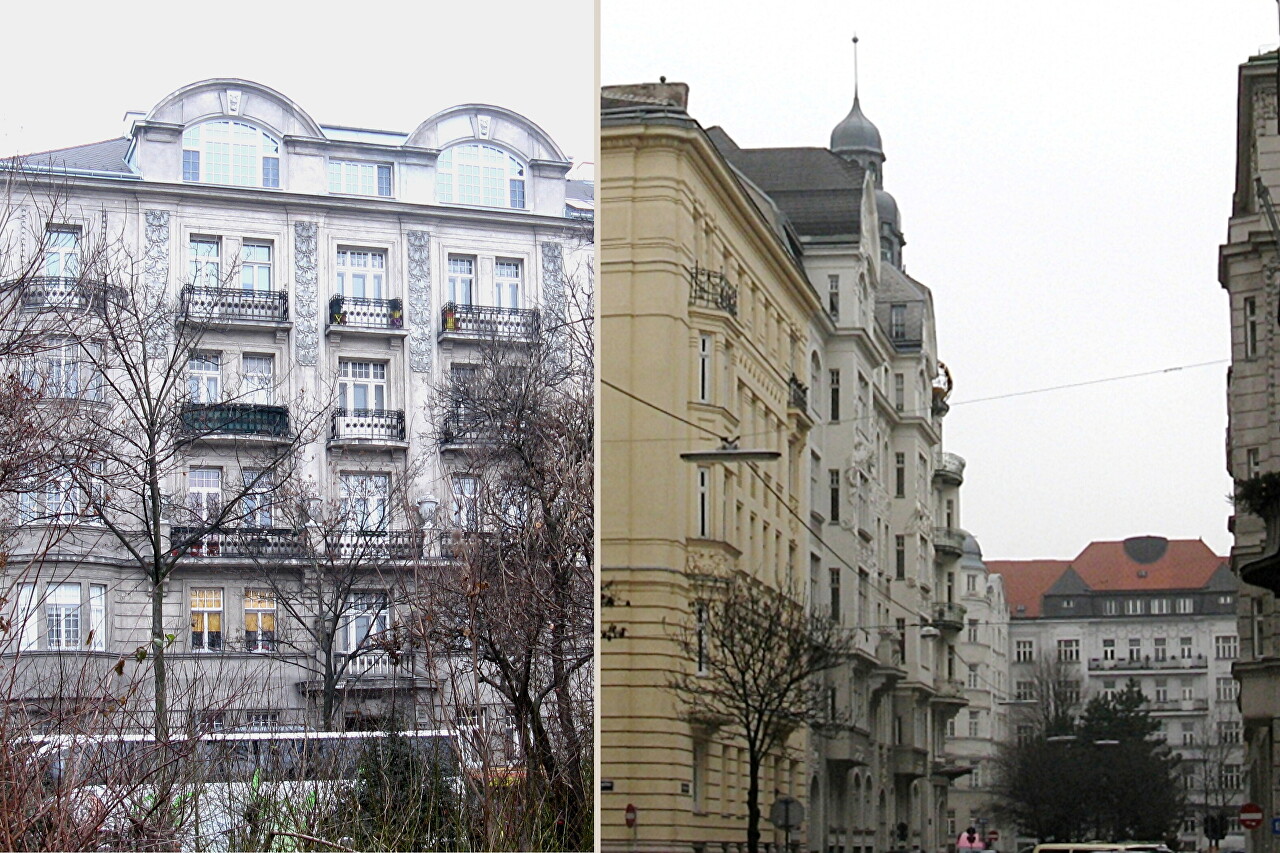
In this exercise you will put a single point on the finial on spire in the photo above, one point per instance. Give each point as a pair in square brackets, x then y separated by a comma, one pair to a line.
[855, 66]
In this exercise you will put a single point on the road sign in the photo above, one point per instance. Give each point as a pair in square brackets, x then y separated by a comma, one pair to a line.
[993, 836]
[1275, 826]
[787, 813]
[631, 815]
[1251, 815]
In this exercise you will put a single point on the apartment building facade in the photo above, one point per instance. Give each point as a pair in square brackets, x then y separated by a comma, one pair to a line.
[1158, 611]
[325, 283]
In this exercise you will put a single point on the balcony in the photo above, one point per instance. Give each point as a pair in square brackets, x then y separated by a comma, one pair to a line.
[51, 293]
[483, 322]
[358, 312]
[911, 762]
[797, 394]
[949, 616]
[459, 431]
[358, 427]
[1147, 663]
[948, 695]
[377, 664]
[710, 289]
[363, 545]
[949, 468]
[234, 421]
[252, 542]
[951, 767]
[233, 305]
[948, 541]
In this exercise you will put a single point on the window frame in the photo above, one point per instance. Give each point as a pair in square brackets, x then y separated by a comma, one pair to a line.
[469, 181]
[204, 608]
[375, 172]
[203, 165]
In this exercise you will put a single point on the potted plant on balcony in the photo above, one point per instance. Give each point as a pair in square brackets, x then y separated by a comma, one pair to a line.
[1260, 496]
[450, 317]
[337, 316]
[396, 307]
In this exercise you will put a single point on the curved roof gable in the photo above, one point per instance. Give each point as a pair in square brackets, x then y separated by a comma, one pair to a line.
[232, 97]
[486, 123]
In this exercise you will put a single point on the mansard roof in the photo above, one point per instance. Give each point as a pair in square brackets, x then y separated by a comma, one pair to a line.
[106, 156]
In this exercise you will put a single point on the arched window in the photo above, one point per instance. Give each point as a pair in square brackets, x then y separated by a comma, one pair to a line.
[480, 174]
[230, 152]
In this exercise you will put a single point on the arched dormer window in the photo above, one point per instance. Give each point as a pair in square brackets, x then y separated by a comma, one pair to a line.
[472, 173]
[230, 152]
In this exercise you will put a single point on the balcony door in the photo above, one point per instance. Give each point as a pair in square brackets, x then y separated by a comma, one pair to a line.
[362, 386]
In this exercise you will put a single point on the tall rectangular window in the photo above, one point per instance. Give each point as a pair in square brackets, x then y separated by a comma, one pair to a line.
[1162, 690]
[1159, 648]
[864, 595]
[361, 273]
[62, 251]
[1069, 651]
[259, 620]
[366, 618]
[62, 615]
[363, 500]
[1250, 327]
[1185, 605]
[833, 478]
[255, 265]
[206, 619]
[835, 595]
[1135, 649]
[900, 557]
[1226, 647]
[362, 385]
[1226, 688]
[899, 392]
[204, 494]
[897, 322]
[833, 296]
[700, 630]
[204, 377]
[834, 382]
[97, 616]
[255, 505]
[704, 502]
[258, 371]
[466, 493]
[899, 475]
[27, 619]
[462, 278]
[705, 373]
[1252, 462]
[1108, 649]
[1185, 650]
[204, 252]
[506, 284]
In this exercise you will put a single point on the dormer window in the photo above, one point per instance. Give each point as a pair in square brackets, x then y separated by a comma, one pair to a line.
[230, 152]
[480, 174]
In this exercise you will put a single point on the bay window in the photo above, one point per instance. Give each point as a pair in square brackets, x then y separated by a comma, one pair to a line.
[62, 615]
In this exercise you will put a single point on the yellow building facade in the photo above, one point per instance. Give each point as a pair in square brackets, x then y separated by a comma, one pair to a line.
[706, 313]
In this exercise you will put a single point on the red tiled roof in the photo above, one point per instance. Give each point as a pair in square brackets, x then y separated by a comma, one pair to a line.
[1025, 581]
[1186, 564]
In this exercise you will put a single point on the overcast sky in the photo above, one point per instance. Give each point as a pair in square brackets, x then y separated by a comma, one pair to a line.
[70, 75]
[1064, 173]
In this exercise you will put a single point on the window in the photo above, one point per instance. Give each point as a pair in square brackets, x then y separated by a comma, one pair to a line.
[951, 727]
[27, 616]
[1232, 777]
[1188, 734]
[1162, 690]
[1110, 607]
[62, 251]
[205, 268]
[506, 284]
[899, 392]
[206, 619]
[1185, 605]
[835, 595]
[897, 322]
[971, 585]
[480, 174]
[1069, 651]
[1226, 689]
[1160, 648]
[351, 178]
[1226, 647]
[1135, 649]
[1252, 462]
[1024, 691]
[262, 719]
[361, 273]
[257, 371]
[704, 502]
[256, 503]
[204, 376]
[1108, 649]
[1024, 651]
[366, 618]
[1160, 607]
[1069, 691]
[973, 723]
[1133, 606]
[973, 630]
[61, 496]
[1250, 327]
[833, 478]
[465, 509]
[1229, 731]
[462, 277]
[65, 369]
[1188, 690]
[362, 385]
[230, 152]
[834, 383]
[900, 557]
[363, 500]
[864, 588]
[900, 475]
[1185, 650]
[700, 623]
[204, 494]
[97, 616]
[255, 266]
[1109, 689]
[62, 615]
[974, 684]
[259, 620]
[704, 368]
[833, 296]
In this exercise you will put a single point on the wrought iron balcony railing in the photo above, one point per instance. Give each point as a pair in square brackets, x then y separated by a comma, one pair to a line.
[51, 292]
[376, 663]
[260, 542]
[217, 304]
[210, 419]
[483, 321]
[369, 424]
[375, 544]
[797, 394]
[458, 429]
[710, 289]
[359, 312]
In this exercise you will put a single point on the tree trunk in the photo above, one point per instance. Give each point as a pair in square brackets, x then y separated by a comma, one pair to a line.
[159, 674]
[753, 800]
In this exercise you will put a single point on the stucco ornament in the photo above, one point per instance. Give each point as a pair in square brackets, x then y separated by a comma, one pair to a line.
[233, 101]
[861, 458]
[419, 301]
[306, 338]
[1264, 111]
[155, 279]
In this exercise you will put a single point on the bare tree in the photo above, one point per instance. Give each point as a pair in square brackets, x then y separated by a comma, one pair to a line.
[753, 654]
